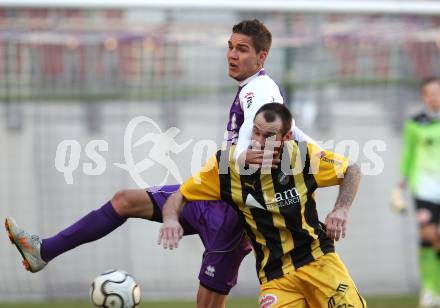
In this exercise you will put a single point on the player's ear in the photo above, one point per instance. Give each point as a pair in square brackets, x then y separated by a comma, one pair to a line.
[288, 136]
[262, 56]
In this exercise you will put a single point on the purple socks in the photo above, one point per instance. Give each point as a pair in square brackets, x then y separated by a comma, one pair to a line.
[91, 227]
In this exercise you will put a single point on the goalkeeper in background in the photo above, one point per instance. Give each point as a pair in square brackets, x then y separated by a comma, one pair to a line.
[420, 167]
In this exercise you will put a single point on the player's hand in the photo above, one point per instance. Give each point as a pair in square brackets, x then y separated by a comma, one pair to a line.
[397, 201]
[263, 158]
[336, 223]
[170, 234]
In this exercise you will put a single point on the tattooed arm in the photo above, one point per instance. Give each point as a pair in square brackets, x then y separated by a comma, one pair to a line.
[336, 221]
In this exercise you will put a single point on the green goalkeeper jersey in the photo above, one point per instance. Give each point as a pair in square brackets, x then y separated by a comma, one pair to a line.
[420, 164]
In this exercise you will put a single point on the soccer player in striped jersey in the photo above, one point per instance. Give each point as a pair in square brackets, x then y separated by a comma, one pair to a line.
[225, 246]
[420, 168]
[295, 255]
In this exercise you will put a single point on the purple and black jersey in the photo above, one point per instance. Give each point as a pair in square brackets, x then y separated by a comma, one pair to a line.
[252, 93]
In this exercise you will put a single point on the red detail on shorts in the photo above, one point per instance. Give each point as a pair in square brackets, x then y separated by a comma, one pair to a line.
[267, 300]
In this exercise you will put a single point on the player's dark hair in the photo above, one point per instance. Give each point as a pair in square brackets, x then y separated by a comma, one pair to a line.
[427, 81]
[273, 111]
[260, 35]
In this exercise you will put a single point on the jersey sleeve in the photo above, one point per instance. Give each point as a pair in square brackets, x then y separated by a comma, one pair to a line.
[327, 167]
[204, 185]
[244, 137]
[252, 97]
[300, 136]
[407, 159]
[257, 94]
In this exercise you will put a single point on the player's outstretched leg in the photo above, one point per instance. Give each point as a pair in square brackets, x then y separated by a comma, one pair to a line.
[37, 252]
[28, 245]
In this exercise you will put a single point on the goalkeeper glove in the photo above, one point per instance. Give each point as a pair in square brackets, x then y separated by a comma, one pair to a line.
[397, 202]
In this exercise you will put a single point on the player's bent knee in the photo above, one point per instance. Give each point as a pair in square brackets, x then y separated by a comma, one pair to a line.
[120, 201]
[133, 203]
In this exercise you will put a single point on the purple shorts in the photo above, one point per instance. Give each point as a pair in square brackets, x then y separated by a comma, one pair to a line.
[219, 228]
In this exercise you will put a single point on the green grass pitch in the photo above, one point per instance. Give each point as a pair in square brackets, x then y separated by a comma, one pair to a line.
[406, 301]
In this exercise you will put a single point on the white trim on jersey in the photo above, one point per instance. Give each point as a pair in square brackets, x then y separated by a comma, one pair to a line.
[247, 80]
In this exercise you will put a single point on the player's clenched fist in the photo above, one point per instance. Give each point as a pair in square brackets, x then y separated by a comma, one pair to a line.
[170, 234]
[336, 223]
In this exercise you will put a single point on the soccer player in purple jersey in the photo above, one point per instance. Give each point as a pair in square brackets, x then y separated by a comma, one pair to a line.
[224, 240]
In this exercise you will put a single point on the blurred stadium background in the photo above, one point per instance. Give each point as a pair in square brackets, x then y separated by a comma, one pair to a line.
[82, 72]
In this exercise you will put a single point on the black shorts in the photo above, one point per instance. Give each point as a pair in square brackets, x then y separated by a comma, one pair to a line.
[427, 212]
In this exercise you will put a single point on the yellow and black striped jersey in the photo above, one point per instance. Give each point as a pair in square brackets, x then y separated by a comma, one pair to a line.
[276, 206]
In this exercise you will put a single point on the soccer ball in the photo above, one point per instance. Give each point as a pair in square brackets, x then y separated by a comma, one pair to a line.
[115, 289]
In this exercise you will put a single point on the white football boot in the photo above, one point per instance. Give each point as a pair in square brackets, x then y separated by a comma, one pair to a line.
[28, 245]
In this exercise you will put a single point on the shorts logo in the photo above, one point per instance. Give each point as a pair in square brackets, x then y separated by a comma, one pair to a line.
[338, 300]
[332, 303]
[210, 271]
[267, 300]
[249, 96]
[342, 288]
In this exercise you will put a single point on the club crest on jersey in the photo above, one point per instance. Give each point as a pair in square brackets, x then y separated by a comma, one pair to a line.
[267, 300]
[283, 179]
[249, 96]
